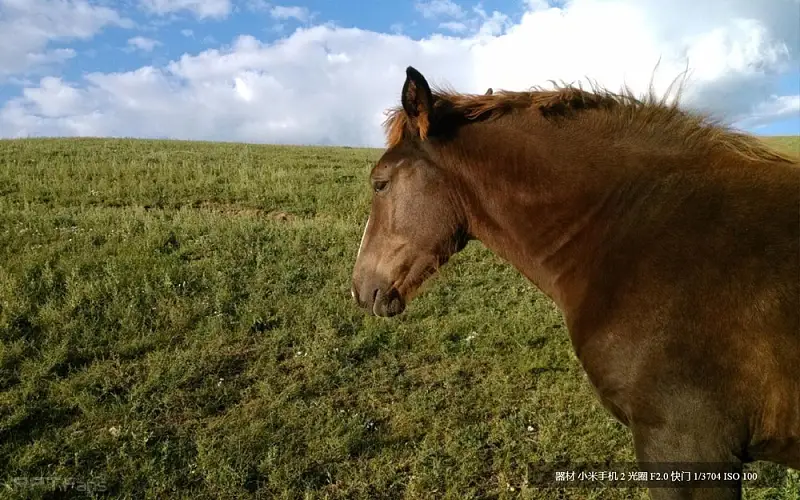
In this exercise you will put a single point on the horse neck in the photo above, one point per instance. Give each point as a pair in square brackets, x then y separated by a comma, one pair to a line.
[542, 200]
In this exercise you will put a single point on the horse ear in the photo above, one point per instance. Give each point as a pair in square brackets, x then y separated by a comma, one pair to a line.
[417, 102]
[489, 91]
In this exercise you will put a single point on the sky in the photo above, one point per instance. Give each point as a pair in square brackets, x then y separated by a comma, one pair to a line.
[323, 72]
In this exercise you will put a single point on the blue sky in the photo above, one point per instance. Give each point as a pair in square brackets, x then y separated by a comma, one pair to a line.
[247, 69]
[182, 32]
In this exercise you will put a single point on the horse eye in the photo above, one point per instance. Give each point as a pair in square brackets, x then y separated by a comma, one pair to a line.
[379, 186]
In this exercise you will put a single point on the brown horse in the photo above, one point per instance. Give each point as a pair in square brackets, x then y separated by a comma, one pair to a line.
[670, 243]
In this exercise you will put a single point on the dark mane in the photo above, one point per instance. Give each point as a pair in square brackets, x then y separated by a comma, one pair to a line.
[620, 111]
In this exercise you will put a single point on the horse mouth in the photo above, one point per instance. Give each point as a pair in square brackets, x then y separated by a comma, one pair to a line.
[388, 304]
[391, 299]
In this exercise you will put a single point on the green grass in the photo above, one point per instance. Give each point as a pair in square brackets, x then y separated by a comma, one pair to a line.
[788, 144]
[175, 322]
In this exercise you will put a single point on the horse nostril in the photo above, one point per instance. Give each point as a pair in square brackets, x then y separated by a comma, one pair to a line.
[366, 296]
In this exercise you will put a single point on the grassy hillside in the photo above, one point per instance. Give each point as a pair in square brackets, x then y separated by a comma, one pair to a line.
[788, 144]
[175, 321]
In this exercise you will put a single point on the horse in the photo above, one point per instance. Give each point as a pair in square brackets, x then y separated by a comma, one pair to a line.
[669, 241]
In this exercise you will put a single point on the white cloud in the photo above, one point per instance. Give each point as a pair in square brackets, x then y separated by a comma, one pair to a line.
[143, 44]
[28, 27]
[537, 4]
[330, 85]
[200, 8]
[454, 26]
[493, 24]
[257, 5]
[282, 13]
[187, 33]
[432, 9]
[480, 23]
[773, 109]
[54, 99]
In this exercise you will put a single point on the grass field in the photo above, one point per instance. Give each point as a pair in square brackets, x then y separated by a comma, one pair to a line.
[176, 322]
